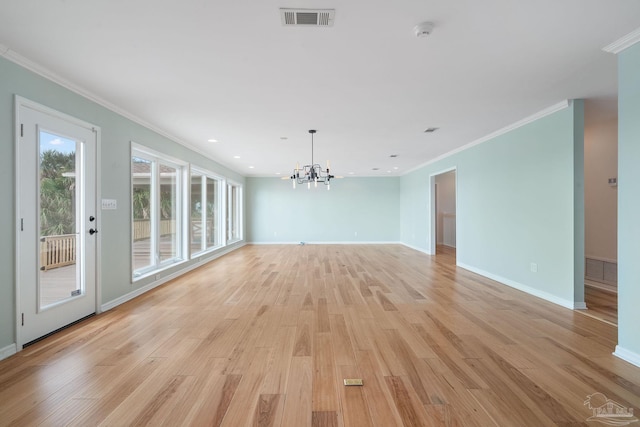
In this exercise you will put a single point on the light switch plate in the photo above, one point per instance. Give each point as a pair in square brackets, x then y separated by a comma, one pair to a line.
[109, 204]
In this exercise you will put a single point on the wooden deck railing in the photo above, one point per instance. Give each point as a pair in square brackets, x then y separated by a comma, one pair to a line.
[142, 228]
[57, 251]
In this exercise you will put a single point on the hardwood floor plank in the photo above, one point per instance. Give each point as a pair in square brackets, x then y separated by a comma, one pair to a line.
[410, 413]
[303, 343]
[268, 411]
[265, 335]
[324, 419]
[323, 324]
[159, 401]
[277, 368]
[504, 400]
[465, 376]
[244, 402]
[545, 402]
[342, 342]
[298, 403]
[353, 402]
[211, 398]
[379, 399]
[325, 378]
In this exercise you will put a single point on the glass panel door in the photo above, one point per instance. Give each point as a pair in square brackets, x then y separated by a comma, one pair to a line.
[60, 260]
[57, 241]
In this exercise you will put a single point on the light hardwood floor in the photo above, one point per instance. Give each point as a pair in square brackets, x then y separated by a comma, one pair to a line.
[601, 303]
[266, 334]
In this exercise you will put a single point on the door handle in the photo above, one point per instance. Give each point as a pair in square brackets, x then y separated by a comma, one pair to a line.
[92, 231]
[92, 218]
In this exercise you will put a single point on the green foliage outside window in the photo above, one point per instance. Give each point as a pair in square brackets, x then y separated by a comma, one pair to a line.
[57, 193]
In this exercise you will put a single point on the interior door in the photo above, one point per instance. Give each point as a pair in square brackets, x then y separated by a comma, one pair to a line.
[57, 221]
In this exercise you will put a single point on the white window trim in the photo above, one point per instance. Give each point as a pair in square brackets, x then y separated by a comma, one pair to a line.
[240, 210]
[222, 214]
[156, 157]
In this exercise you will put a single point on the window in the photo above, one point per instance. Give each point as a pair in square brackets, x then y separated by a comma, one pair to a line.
[205, 211]
[157, 211]
[234, 209]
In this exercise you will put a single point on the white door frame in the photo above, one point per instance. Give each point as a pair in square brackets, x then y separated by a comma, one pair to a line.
[432, 206]
[20, 102]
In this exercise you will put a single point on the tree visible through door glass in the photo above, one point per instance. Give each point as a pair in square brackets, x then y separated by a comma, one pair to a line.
[59, 277]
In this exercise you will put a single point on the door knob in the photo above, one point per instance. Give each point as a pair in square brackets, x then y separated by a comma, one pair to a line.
[92, 218]
[92, 231]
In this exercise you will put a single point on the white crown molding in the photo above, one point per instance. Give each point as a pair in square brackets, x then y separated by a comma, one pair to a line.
[532, 118]
[34, 67]
[623, 43]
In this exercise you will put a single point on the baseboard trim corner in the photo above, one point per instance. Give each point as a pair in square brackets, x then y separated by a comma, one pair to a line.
[415, 248]
[8, 351]
[627, 355]
[519, 286]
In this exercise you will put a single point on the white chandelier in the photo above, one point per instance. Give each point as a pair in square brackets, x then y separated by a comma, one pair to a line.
[312, 172]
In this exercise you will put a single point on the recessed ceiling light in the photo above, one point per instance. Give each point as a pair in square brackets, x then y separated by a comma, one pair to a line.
[388, 171]
[395, 167]
[212, 140]
[278, 173]
[251, 167]
[430, 130]
[236, 157]
[351, 173]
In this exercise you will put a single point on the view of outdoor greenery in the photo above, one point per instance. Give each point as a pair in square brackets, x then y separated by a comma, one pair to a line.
[57, 193]
[141, 198]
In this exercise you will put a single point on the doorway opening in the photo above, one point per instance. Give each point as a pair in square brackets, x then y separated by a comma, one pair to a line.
[443, 213]
[601, 209]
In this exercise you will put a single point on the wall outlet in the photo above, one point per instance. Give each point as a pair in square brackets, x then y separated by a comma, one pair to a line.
[534, 267]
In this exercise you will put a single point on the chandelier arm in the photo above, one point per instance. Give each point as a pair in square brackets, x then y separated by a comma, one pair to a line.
[312, 149]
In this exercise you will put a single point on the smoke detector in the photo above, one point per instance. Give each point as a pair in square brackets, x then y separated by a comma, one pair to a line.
[423, 29]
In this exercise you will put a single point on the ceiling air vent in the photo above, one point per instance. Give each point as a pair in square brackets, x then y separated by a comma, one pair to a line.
[307, 17]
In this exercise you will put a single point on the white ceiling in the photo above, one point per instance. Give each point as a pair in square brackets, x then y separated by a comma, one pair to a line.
[229, 70]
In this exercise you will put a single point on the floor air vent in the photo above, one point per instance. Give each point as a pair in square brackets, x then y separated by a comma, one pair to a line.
[307, 17]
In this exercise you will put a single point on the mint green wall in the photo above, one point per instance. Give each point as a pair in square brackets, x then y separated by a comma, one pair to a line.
[629, 199]
[515, 205]
[114, 160]
[369, 207]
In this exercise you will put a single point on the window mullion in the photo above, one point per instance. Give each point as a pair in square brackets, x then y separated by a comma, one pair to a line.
[155, 212]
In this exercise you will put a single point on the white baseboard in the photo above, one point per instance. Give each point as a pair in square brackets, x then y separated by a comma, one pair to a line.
[599, 258]
[627, 355]
[524, 288]
[602, 286]
[327, 243]
[136, 293]
[8, 351]
[415, 248]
